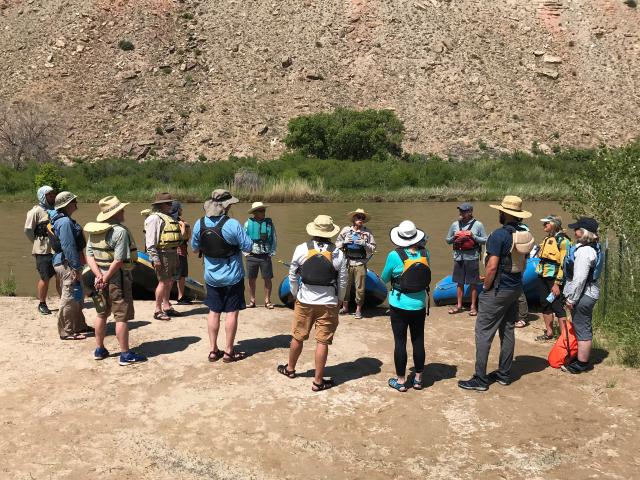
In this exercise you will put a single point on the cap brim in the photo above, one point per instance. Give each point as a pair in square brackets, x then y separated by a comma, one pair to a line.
[573, 226]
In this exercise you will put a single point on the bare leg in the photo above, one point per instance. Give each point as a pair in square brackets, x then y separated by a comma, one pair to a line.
[167, 291]
[322, 351]
[122, 334]
[460, 293]
[294, 353]
[474, 297]
[230, 328]
[181, 287]
[100, 326]
[267, 290]
[548, 323]
[584, 350]
[43, 288]
[159, 295]
[213, 324]
[252, 290]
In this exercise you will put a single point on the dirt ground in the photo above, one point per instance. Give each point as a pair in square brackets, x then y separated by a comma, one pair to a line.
[66, 416]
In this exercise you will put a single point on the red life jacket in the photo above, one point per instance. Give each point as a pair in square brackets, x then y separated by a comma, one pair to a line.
[463, 239]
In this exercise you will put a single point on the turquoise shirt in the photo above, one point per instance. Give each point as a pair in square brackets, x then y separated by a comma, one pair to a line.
[393, 269]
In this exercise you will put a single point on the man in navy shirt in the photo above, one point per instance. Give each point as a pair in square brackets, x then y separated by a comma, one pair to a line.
[498, 303]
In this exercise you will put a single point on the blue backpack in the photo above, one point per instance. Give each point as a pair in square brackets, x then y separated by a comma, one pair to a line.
[570, 258]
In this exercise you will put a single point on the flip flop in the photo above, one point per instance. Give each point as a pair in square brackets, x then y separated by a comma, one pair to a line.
[269, 305]
[325, 385]
[454, 310]
[473, 313]
[76, 336]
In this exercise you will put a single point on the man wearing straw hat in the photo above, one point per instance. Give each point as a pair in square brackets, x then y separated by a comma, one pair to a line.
[111, 255]
[507, 250]
[221, 239]
[262, 232]
[163, 236]
[358, 245]
[322, 271]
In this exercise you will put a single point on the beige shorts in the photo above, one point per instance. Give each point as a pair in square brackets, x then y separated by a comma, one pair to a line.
[324, 317]
[168, 265]
[120, 298]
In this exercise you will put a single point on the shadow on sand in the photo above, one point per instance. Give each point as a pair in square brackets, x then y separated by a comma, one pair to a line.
[526, 364]
[435, 372]
[347, 371]
[166, 347]
[252, 346]
[111, 326]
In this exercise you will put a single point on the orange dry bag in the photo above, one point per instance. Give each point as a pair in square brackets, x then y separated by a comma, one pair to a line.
[566, 347]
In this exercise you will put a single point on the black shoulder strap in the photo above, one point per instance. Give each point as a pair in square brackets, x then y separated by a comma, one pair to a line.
[403, 255]
[331, 247]
[470, 225]
[423, 252]
[310, 245]
[221, 223]
[202, 225]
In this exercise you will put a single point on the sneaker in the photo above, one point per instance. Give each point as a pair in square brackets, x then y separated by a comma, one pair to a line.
[501, 379]
[358, 315]
[574, 367]
[100, 353]
[130, 357]
[43, 309]
[184, 301]
[473, 383]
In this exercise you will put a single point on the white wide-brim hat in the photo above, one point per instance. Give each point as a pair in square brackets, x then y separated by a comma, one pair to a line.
[406, 234]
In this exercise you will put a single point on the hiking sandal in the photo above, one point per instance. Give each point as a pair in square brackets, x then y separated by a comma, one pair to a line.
[251, 305]
[396, 385]
[416, 384]
[325, 385]
[269, 305]
[454, 310]
[233, 356]
[544, 337]
[161, 316]
[284, 370]
[215, 355]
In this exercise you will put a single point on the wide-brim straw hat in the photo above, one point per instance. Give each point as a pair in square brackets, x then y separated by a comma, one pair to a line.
[322, 226]
[218, 203]
[163, 197]
[109, 206]
[257, 206]
[359, 211]
[63, 199]
[406, 234]
[512, 205]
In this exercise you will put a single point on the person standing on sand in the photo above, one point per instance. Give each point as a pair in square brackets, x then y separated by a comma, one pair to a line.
[35, 228]
[221, 240]
[67, 241]
[182, 250]
[321, 268]
[358, 244]
[467, 235]
[162, 238]
[262, 232]
[507, 250]
[112, 255]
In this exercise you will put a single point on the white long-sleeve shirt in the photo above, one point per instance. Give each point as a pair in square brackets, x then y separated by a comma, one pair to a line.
[318, 294]
[584, 259]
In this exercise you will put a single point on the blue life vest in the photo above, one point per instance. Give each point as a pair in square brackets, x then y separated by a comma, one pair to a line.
[260, 231]
[570, 258]
[354, 251]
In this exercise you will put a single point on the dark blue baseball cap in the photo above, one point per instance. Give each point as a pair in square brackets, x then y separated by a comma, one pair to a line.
[588, 223]
[465, 207]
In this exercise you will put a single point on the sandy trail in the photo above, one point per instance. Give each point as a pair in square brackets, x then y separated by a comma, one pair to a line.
[66, 416]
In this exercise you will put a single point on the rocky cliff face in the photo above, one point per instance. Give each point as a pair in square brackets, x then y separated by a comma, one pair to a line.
[221, 77]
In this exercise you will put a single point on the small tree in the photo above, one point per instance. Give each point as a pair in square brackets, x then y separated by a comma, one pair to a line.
[347, 134]
[25, 134]
[50, 174]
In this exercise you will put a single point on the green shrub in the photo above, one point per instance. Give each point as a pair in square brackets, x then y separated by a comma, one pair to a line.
[8, 285]
[347, 134]
[125, 45]
[50, 174]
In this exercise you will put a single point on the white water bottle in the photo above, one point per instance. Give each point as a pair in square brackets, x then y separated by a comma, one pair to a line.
[551, 297]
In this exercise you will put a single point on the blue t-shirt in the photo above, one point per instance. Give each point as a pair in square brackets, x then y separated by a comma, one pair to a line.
[499, 245]
[222, 272]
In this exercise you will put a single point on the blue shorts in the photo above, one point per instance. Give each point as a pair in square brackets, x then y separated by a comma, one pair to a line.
[226, 299]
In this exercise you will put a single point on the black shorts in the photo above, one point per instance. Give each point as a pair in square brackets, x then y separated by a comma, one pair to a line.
[44, 266]
[226, 299]
[183, 266]
[261, 263]
[466, 272]
[555, 307]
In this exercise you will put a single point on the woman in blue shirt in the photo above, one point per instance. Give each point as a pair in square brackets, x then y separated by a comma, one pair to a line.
[407, 268]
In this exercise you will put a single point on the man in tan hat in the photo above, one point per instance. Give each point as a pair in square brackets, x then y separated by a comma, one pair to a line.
[221, 240]
[163, 236]
[358, 244]
[111, 255]
[322, 271]
[262, 232]
[507, 250]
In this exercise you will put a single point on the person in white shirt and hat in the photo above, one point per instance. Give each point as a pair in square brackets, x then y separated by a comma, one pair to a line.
[321, 269]
[262, 232]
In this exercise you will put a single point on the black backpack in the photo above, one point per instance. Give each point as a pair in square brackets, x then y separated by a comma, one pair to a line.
[213, 244]
[416, 275]
[318, 269]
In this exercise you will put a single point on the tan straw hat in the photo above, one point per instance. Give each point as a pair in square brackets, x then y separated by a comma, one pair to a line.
[163, 197]
[109, 206]
[218, 203]
[63, 199]
[512, 205]
[257, 206]
[359, 211]
[322, 226]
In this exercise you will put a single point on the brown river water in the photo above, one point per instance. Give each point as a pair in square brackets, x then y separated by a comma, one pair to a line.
[290, 221]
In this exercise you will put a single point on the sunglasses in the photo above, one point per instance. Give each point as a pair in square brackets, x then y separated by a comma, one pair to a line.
[359, 217]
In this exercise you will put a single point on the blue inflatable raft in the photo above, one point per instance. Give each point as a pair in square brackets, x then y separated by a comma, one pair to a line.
[375, 291]
[444, 292]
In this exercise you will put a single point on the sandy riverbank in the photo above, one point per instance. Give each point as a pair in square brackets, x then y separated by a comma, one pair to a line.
[66, 416]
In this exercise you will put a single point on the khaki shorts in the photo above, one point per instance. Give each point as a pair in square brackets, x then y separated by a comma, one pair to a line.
[325, 318]
[120, 298]
[169, 265]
